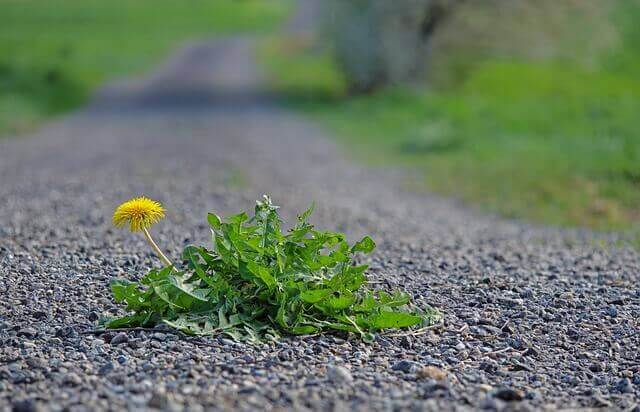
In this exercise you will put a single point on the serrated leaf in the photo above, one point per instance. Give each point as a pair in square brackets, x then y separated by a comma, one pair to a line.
[192, 258]
[236, 220]
[253, 271]
[395, 300]
[304, 330]
[189, 289]
[214, 221]
[123, 289]
[340, 302]
[385, 320]
[124, 322]
[315, 296]
[366, 245]
[367, 304]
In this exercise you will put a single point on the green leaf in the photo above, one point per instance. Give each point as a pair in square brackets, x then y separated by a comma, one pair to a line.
[385, 320]
[351, 278]
[189, 289]
[124, 322]
[304, 330]
[343, 327]
[340, 302]
[192, 258]
[368, 303]
[366, 245]
[395, 300]
[305, 215]
[236, 220]
[262, 273]
[214, 221]
[281, 316]
[123, 290]
[280, 258]
[192, 326]
[315, 296]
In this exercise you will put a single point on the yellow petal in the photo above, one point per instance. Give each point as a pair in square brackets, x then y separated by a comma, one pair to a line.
[138, 213]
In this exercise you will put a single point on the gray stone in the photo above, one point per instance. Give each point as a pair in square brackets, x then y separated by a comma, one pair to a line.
[405, 366]
[106, 368]
[119, 339]
[338, 375]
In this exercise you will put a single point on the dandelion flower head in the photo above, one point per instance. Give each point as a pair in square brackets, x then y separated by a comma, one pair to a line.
[139, 213]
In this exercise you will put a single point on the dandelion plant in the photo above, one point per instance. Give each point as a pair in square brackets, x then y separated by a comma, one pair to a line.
[256, 282]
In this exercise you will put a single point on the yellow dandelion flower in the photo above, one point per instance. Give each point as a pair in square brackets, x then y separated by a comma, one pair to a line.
[139, 213]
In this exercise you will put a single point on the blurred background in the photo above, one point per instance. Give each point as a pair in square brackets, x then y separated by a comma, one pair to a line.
[527, 108]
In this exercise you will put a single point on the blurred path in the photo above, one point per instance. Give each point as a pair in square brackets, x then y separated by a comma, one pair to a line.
[535, 317]
[199, 76]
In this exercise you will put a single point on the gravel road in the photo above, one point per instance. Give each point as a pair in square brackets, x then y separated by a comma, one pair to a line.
[535, 318]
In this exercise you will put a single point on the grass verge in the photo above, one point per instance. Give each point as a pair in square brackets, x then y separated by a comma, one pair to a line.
[544, 140]
[54, 53]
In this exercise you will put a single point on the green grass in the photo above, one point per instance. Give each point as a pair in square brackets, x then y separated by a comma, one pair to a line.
[548, 141]
[54, 53]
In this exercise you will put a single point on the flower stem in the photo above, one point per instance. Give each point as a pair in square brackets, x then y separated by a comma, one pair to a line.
[155, 247]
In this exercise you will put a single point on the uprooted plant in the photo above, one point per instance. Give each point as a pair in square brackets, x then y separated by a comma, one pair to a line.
[257, 282]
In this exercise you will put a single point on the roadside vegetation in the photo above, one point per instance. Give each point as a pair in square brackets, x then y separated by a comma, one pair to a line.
[54, 53]
[524, 116]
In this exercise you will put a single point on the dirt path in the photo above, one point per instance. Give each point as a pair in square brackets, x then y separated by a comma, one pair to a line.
[535, 317]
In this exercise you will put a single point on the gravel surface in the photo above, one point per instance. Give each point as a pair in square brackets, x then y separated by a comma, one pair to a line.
[535, 318]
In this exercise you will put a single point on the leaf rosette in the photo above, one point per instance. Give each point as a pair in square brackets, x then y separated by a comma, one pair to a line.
[258, 283]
